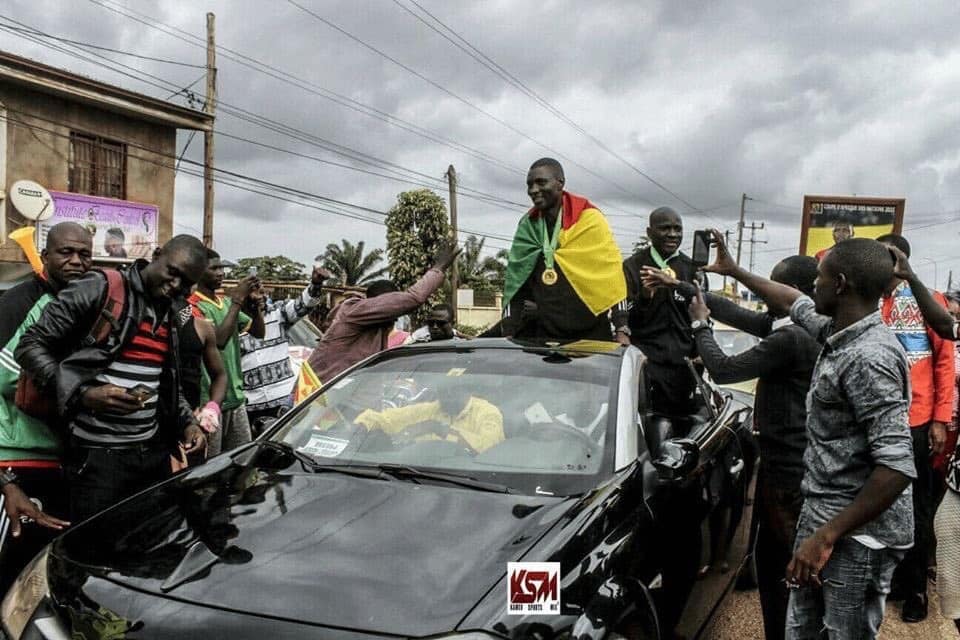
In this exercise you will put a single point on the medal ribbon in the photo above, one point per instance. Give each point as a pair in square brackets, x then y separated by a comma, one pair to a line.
[658, 258]
[550, 244]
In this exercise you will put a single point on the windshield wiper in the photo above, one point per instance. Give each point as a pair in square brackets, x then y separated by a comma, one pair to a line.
[407, 472]
[311, 463]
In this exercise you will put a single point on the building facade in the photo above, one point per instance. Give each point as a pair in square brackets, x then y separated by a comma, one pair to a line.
[100, 147]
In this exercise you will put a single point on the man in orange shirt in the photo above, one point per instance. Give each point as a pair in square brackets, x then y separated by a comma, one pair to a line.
[931, 410]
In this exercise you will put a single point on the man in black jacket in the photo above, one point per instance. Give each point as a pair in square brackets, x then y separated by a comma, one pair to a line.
[121, 400]
[783, 361]
[656, 319]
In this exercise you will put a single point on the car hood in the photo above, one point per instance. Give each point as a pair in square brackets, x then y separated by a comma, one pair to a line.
[266, 538]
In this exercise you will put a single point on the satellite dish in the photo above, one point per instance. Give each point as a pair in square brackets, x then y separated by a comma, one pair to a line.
[31, 200]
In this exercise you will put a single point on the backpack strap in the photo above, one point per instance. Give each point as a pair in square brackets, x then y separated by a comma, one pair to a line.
[111, 313]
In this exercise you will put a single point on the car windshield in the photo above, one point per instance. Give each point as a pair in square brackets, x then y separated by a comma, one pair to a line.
[532, 420]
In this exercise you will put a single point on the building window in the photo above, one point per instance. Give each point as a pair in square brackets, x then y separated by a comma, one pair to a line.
[98, 167]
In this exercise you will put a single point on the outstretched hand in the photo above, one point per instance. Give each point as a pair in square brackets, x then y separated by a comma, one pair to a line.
[724, 265]
[446, 254]
[698, 306]
[653, 278]
[20, 508]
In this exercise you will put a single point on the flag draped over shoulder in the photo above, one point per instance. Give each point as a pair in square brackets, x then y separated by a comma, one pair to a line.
[587, 254]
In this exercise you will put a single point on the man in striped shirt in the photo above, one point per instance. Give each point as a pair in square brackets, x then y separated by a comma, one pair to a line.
[120, 399]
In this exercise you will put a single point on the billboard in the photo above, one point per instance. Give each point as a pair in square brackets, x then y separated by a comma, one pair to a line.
[868, 218]
[122, 230]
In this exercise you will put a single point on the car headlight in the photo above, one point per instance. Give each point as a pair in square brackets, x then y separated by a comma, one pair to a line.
[26, 594]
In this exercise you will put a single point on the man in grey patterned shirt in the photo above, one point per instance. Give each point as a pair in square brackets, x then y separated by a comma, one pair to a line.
[857, 516]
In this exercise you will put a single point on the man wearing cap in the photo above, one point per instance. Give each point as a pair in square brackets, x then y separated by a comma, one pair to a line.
[241, 310]
[563, 273]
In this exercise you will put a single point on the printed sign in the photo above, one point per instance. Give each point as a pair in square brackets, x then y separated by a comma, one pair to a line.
[324, 446]
[533, 588]
[831, 219]
[121, 230]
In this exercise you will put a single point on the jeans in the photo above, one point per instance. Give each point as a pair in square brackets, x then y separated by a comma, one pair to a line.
[911, 575]
[778, 509]
[849, 605]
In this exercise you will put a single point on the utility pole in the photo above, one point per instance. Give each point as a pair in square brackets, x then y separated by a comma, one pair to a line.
[209, 105]
[743, 209]
[726, 242]
[754, 227]
[454, 272]
[950, 280]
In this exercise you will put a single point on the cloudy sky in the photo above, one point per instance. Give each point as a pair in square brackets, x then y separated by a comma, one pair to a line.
[687, 104]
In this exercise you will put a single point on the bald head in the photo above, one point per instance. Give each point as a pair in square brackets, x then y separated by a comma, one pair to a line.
[665, 230]
[68, 254]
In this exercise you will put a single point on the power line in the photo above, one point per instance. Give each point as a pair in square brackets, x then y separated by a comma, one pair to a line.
[88, 45]
[497, 69]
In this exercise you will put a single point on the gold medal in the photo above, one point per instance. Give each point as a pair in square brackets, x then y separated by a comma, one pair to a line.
[670, 272]
[549, 277]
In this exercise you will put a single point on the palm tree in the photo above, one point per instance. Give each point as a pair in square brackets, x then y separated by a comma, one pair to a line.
[347, 262]
[478, 272]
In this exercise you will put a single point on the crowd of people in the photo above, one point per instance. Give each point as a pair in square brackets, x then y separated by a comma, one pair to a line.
[111, 380]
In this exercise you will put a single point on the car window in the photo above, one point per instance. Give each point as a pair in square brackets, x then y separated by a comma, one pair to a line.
[734, 342]
[534, 421]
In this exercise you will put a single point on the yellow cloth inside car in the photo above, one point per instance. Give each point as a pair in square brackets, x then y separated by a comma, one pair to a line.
[480, 424]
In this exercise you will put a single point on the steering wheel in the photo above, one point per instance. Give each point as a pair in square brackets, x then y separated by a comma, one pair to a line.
[553, 428]
[434, 427]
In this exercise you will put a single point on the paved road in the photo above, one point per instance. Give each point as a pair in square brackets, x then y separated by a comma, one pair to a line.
[739, 619]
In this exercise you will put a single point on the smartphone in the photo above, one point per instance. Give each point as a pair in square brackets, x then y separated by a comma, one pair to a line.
[142, 392]
[701, 248]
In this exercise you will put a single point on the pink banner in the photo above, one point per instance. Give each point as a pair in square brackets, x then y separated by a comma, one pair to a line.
[121, 230]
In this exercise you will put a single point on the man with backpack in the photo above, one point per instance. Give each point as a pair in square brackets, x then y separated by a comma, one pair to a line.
[105, 350]
[29, 447]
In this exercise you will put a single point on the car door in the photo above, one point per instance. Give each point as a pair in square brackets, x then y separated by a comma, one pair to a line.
[701, 518]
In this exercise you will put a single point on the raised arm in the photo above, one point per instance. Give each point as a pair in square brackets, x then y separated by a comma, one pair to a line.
[779, 297]
[935, 315]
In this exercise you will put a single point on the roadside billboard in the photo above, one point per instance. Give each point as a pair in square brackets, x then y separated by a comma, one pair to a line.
[868, 217]
[122, 230]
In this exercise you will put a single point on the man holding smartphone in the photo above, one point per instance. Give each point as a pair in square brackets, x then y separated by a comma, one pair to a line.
[119, 398]
[231, 315]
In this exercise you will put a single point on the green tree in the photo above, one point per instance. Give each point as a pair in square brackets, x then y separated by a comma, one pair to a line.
[350, 265]
[479, 272]
[272, 268]
[416, 226]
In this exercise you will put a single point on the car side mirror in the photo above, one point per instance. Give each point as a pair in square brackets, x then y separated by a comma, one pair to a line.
[676, 459]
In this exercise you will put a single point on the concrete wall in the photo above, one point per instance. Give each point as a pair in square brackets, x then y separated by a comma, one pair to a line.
[42, 153]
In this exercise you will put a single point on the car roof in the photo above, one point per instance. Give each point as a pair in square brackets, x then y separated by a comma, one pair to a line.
[591, 347]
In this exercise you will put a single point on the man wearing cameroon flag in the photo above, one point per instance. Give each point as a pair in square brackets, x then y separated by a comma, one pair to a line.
[564, 272]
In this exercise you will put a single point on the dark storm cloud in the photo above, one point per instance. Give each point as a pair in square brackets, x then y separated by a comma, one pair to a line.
[710, 98]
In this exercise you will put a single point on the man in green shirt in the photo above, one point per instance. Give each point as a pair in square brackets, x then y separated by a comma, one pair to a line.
[30, 448]
[240, 311]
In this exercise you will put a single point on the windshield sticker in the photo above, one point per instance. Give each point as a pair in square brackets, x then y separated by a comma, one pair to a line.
[342, 383]
[537, 414]
[456, 371]
[533, 588]
[324, 446]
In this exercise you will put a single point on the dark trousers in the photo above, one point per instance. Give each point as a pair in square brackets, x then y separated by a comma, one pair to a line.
[100, 477]
[49, 488]
[911, 574]
[671, 389]
[256, 417]
[778, 509]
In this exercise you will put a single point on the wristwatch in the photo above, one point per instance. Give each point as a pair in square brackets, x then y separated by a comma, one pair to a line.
[7, 476]
[697, 325]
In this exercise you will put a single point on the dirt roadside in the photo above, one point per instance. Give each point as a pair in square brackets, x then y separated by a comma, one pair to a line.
[739, 619]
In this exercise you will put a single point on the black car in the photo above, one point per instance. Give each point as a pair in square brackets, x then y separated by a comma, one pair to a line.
[396, 501]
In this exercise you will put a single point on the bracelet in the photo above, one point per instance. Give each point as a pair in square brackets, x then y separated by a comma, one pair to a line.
[7, 476]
